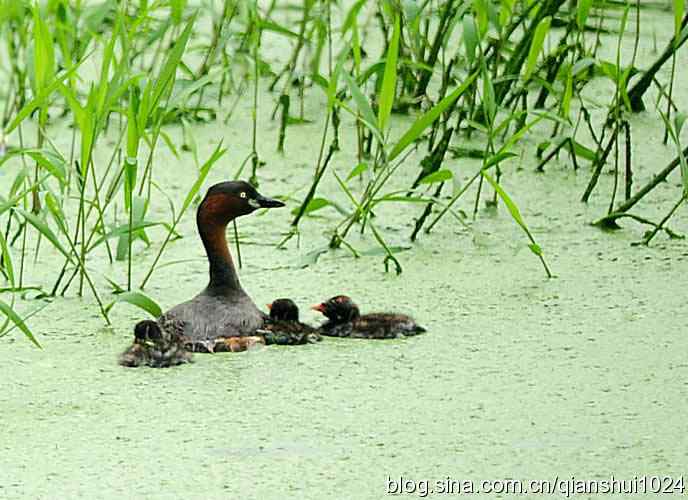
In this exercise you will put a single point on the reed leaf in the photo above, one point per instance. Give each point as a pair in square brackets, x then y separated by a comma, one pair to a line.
[40, 99]
[489, 99]
[50, 160]
[6, 260]
[45, 230]
[43, 54]
[429, 117]
[18, 322]
[536, 46]
[389, 80]
[314, 205]
[202, 174]
[362, 103]
[163, 83]
[357, 171]
[123, 230]
[498, 158]
[582, 11]
[138, 299]
[439, 176]
[516, 215]
[470, 37]
[56, 211]
[679, 8]
[133, 139]
[568, 94]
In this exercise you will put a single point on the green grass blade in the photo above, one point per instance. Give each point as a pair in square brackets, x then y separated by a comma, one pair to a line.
[48, 233]
[314, 205]
[674, 131]
[520, 133]
[56, 211]
[203, 173]
[428, 118]
[361, 102]
[87, 128]
[510, 205]
[177, 9]
[6, 260]
[489, 99]
[516, 215]
[123, 230]
[581, 151]
[679, 7]
[104, 84]
[470, 37]
[435, 177]
[277, 28]
[19, 323]
[169, 69]
[582, 12]
[347, 191]
[85, 119]
[138, 299]
[43, 53]
[40, 99]
[334, 79]
[350, 20]
[133, 139]
[357, 171]
[497, 158]
[390, 256]
[389, 80]
[50, 160]
[682, 36]
[568, 94]
[80, 113]
[536, 46]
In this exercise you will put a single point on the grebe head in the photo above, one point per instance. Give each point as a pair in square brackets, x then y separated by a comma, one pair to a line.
[338, 309]
[227, 200]
[147, 331]
[283, 310]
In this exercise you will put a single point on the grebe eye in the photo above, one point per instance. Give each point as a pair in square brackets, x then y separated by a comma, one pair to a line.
[242, 194]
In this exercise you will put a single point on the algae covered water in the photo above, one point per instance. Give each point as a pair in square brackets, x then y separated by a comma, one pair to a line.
[519, 377]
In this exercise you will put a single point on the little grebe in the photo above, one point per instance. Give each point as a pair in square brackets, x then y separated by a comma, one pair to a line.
[223, 309]
[345, 320]
[153, 347]
[284, 327]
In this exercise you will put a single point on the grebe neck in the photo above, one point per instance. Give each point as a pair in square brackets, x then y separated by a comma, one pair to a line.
[223, 275]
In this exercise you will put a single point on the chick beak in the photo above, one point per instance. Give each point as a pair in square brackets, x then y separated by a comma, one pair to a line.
[269, 306]
[319, 308]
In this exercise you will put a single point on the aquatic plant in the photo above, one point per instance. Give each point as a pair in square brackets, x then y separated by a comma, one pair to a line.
[475, 80]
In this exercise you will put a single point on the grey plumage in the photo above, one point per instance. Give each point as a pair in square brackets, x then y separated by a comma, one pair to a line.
[210, 315]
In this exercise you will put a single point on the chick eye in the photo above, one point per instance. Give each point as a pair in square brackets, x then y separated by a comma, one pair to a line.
[242, 194]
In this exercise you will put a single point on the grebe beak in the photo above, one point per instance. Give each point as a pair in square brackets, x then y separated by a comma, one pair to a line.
[269, 306]
[319, 308]
[261, 201]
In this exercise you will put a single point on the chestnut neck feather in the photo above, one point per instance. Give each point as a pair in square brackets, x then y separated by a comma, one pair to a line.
[212, 224]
